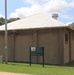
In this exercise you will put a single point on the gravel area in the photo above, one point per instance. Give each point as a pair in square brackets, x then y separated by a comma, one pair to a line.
[7, 73]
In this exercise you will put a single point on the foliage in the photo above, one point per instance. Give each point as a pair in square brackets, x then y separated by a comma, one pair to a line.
[2, 20]
[13, 19]
[35, 69]
[71, 25]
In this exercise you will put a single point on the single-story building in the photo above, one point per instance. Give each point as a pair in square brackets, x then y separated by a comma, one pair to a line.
[38, 30]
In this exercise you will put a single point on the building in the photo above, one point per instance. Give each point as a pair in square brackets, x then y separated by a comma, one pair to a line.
[42, 31]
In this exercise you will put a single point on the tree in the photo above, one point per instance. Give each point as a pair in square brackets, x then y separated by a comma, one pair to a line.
[71, 25]
[13, 19]
[2, 21]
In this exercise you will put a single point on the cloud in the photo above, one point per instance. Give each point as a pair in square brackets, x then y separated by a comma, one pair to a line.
[1, 15]
[37, 1]
[47, 6]
[66, 17]
[33, 1]
[55, 6]
[71, 4]
[69, 23]
[26, 11]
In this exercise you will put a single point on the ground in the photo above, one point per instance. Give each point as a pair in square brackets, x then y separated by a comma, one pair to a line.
[7, 73]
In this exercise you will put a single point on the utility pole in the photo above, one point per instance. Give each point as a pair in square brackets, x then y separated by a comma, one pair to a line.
[6, 40]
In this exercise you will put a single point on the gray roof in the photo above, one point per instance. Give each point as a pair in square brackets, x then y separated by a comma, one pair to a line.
[32, 22]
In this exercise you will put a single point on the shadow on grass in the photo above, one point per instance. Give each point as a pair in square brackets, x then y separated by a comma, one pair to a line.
[18, 64]
[70, 64]
[28, 65]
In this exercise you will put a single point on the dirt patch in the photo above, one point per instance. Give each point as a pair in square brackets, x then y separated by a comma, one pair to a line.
[7, 73]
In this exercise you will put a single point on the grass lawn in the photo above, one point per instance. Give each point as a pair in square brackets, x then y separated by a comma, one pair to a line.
[38, 69]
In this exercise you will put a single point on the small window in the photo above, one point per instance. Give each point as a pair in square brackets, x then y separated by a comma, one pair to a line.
[66, 38]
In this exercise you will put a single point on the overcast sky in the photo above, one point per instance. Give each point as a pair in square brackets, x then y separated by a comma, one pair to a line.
[24, 8]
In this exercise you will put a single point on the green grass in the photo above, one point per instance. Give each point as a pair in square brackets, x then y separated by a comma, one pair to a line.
[38, 69]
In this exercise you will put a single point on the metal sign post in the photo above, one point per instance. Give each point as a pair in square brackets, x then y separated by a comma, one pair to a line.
[6, 47]
[37, 51]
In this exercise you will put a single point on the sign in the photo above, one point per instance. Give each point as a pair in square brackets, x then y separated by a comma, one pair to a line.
[33, 49]
[37, 51]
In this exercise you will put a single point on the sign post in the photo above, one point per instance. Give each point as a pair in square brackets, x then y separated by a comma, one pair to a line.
[6, 41]
[37, 51]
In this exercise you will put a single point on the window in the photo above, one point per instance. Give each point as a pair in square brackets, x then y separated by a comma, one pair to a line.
[66, 38]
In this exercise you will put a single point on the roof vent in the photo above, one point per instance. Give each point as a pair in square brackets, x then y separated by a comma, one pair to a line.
[55, 16]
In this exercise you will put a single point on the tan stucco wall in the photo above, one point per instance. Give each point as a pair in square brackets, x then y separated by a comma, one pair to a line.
[50, 39]
[22, 46]
[66, 47]
[2, 46]
[60, 46]
[11, 47]
[72, 46]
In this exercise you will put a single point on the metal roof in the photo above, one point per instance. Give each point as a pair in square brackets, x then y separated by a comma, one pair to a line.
[32, 22]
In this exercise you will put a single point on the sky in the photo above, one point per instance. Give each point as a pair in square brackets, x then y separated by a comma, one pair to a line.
[24, 8]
